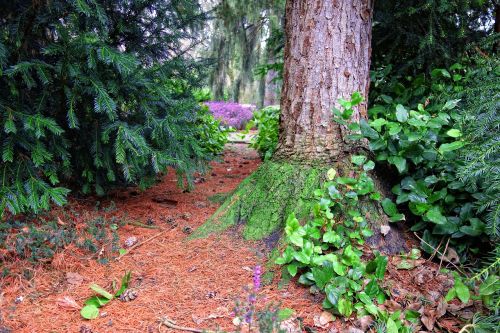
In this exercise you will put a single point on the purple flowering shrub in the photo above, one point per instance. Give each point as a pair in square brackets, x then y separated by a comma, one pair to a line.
[263, 320]
[230, 113]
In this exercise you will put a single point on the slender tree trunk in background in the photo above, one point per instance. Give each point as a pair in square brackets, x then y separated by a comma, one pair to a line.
[271, 87]
[219, 74]
[327, 57]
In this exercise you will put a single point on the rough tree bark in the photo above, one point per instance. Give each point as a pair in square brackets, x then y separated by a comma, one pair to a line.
[327, 57]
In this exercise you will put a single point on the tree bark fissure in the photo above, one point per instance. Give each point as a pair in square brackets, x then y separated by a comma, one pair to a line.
[327, 57]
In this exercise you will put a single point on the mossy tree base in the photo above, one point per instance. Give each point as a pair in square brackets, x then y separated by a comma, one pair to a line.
[265, 198]
[263, 201]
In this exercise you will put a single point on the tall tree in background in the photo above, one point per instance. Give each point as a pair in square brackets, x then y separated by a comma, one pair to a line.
[327, 57]
[238, 45]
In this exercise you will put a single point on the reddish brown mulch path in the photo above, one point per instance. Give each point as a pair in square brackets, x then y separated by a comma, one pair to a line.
[193, 282]
[188, 281]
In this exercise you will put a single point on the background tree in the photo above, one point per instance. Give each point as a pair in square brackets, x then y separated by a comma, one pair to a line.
[95, 93]
[327, 58]
[240, 30]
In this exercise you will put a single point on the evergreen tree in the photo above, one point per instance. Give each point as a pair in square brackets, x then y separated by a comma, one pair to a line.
[95, 93]
[419, 35]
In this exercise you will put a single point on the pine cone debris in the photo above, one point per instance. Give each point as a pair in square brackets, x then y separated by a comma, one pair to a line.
[128, 295]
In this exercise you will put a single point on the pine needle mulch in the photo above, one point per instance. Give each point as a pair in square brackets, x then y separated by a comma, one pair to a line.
[193, 282]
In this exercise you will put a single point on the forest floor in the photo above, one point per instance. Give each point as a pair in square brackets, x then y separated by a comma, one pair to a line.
[193, 282]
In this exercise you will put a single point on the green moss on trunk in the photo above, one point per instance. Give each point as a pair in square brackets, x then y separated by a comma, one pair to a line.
[264, 199]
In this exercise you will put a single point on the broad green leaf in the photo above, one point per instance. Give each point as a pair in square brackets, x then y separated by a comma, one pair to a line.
[451, 104]
[331, 173]
[434, 215]
[401, 113]
[490, 286]
[101, 291]
[447, 147]
[462, 291]
[284, 314]
[399, 162]
[345, 307]
[391, 326]
[292, 269]
[358, 159]
[370, 165]
[389, 207]
[451, 294]
[89, 312]
[331, 237]
[454, 133]
[296, 239]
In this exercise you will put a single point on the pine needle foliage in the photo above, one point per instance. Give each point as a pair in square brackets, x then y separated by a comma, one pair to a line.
[94, 94]
[420, 35]
[481, 123]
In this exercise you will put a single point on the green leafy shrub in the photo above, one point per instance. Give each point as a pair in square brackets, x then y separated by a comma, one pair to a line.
[418, 135]
[94, 94]
[266, 121]
[213, 135]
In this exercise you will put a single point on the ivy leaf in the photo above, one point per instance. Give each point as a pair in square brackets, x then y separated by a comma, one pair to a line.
[401, 113]
[358, 159]
[490, 286]
[389, 207]
[345, 307]
[391, 326]
[292, 269]
[454, 133]
[462, 291]
[399, 162]
[447, 147]
[434, 215]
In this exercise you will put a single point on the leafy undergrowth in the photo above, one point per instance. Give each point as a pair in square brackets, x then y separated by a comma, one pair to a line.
[197, 283]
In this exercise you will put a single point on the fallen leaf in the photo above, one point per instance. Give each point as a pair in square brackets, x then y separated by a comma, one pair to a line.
[364, 323]
[384, 229]
[60, 222]
[131, 241]
[322, 320]
[441, 309]
[74, 279]
[450, 256]
[428, 322]
[68, 303]
[392, 306]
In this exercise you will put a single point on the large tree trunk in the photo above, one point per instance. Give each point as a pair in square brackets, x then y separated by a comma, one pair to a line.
[327, 57]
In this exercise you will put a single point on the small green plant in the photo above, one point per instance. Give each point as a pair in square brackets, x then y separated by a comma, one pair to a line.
[40, 239]
[103, 297]
[324, 251]
[266, 120]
